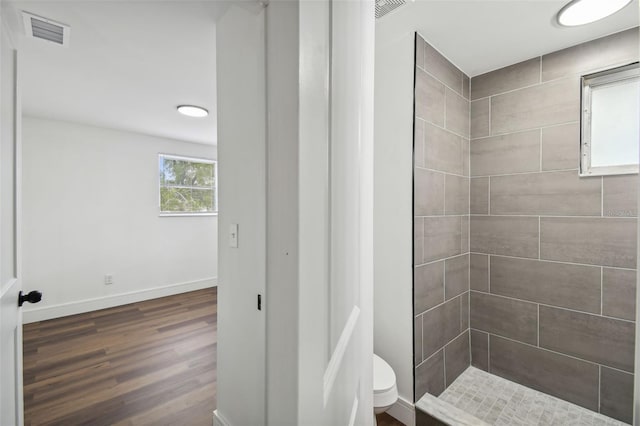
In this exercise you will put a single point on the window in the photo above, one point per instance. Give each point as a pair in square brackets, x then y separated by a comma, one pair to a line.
[187, 186]
[610, 122]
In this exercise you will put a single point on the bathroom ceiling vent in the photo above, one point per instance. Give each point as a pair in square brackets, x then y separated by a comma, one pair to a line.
[385, 6]
[46, 29]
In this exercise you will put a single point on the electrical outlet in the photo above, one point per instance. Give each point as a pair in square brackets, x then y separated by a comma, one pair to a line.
[108, 279]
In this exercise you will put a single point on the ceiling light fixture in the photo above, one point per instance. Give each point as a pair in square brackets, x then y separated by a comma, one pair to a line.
[580, 12]
[192, 111]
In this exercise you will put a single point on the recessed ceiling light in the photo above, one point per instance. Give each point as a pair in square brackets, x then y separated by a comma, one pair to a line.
[193, 111]
[580, 12]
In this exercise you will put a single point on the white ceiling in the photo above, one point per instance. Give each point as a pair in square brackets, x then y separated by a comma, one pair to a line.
[131, 63]
[128, 66]
[480, 36]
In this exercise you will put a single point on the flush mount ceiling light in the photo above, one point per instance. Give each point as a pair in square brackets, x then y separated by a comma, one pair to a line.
[192, 111]
[580, 12]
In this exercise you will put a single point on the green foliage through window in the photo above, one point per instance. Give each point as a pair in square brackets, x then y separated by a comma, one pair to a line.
[187, 185]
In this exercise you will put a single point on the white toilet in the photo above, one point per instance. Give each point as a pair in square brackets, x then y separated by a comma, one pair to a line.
[385, 392]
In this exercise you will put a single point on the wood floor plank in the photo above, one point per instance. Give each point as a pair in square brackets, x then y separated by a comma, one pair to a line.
[152, 362]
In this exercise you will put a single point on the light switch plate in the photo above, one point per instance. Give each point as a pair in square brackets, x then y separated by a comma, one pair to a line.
[233, 235]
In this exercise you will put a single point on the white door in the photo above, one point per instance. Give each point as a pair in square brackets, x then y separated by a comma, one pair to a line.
[336, 186]
[10, 285]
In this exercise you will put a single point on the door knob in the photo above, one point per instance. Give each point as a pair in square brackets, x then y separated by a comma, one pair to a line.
[33, 297]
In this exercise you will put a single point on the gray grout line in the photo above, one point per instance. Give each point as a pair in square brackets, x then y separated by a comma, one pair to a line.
[542, 348]
[540, 168]
[537, 172]
[526, 130]
[554, 261]
[547, 216]
[529, 86]
[539, 238]
[538, 323]
[441, 172]
[546, 305]
[601, 289]
[599, 384]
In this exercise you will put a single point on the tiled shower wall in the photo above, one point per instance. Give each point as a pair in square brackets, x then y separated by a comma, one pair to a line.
[553, 255]
[441, 221]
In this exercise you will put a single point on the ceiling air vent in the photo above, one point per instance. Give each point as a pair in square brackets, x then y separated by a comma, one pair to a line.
[385, 6]
[46, 29]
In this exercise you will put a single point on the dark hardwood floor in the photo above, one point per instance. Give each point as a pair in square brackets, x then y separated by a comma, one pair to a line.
[147, 363]
[386, 420]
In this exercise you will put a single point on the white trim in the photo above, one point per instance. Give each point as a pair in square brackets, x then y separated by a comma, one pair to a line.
[219, 420]
[403, 411]
[354, 411]
[189, 159]
[88, 305]
[335, 362]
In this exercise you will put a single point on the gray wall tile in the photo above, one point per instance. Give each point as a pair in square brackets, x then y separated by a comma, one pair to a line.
[549, 193]
[506, 317]
[509, 78]
[428, 286]
[466, 157]
[543, 105]
[593, 338]
[561, 147]
[440, 325]
[430, 376]
[457, 113]
[420, 43]
[442, 237]
[440, 67]
[443, 150]
[456, 357]
[466, 85]
[512, 236]
[513, 153]
[558, 284]
[418, 143]
[417, 340]
[418, 240]
[464, 237]
[480, 118]
[428, 196]
[429, 98]
[595, 241]
[558, 375]
[620, 197]
[619, 293]
[616, 394]
[479, 194]
[480, 349]
[479, 272]
[456, 276]
[456, 195]
[464, 310]
[616, 49]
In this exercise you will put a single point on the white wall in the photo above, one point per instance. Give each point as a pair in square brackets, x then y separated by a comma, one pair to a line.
[90, 208]
[242, 173]
[393, 177]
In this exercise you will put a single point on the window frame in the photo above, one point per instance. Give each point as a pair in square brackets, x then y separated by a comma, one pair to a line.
[606, 77]
[162, 213]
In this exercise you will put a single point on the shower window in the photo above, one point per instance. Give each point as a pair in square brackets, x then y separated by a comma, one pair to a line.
[610, 122]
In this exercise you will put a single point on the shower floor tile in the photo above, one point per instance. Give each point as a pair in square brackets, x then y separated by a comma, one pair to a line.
[500, 402]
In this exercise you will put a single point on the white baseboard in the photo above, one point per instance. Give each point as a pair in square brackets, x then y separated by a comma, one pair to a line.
[403, 411]
[81, 306]
[219, 420]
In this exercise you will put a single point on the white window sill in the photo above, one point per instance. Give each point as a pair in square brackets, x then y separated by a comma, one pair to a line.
[187, 214]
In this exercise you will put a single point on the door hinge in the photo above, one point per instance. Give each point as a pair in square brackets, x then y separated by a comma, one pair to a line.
[259, 302]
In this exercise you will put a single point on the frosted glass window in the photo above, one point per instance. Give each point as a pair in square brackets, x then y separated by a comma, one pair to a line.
[611, 122]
